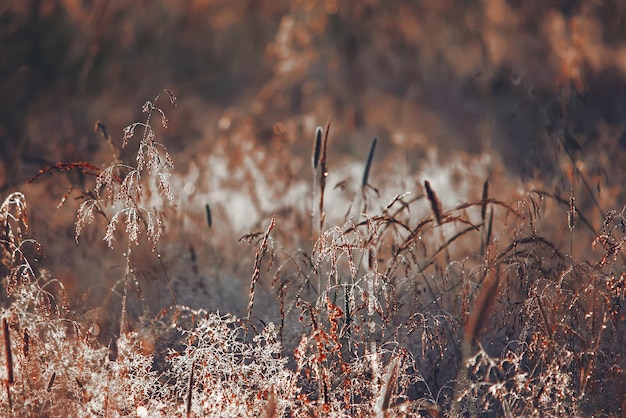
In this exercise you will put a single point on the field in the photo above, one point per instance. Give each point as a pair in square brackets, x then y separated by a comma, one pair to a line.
[312, 208]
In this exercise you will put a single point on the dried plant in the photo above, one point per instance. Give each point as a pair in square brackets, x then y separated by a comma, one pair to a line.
[131, 191]
[256, 274]
[125, 187]
[381, 315]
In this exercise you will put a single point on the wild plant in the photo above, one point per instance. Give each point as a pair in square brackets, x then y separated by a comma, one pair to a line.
[217, 372]
[36, 329]
[133, 192]
[407, 307]
[499, 318]
[350, 294]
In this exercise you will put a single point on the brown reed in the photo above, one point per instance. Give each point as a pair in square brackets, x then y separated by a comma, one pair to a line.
[317, 147]
[323, 174]
[435, 204]
[25, 345]
[483, 206]
[8, 361]
[484, 301]
[209, 219]
[8, 357]
[51, 381]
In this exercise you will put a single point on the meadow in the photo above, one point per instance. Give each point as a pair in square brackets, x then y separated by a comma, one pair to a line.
[338, 210]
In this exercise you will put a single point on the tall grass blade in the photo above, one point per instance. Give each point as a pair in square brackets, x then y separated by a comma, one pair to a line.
[368, 165]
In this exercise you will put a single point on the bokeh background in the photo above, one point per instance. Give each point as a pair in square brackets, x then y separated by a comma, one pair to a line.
[455, 91]
[489, 75]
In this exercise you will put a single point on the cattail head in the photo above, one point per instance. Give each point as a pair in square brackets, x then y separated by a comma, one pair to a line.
[317, 147]
[8, 359]
[51, 381]
[435, 204]
[483, 206]
[209, 219]
[26, 343]
[485, 300]
[323, 174]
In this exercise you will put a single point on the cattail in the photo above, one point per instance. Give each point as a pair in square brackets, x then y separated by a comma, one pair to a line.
[368, 165]
[483, 206]
[7, 350]
[324, 148]
[26, 343]
[477, 320]
[435, 204]
[317, 147]
[323, 174]
[484, 301]
[8, 360]
[209, 220]
[51, 382]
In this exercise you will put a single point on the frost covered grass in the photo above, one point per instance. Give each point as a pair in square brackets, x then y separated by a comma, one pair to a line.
[378, 298]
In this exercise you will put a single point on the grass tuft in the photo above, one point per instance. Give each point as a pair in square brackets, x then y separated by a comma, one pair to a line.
[378, 312]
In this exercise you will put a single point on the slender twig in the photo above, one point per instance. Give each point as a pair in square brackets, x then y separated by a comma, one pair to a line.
[256, 274]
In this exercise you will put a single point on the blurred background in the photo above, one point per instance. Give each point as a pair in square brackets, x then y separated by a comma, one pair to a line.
[493, 75]
[457, 91]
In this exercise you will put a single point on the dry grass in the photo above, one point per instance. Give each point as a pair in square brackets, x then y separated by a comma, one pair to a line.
[390, 312]
[361, 292]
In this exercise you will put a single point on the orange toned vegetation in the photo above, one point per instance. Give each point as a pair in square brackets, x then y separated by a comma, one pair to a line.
[334, 208]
